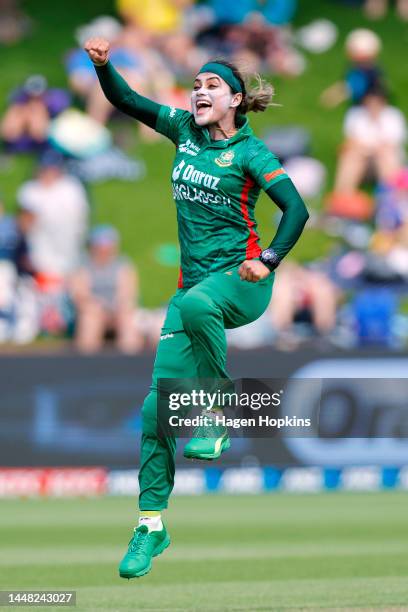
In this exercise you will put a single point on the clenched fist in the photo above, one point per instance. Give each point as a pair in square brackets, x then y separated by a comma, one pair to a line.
[98, 50]
[253, 270]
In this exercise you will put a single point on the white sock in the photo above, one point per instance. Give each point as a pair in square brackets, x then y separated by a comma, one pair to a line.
[153, 523]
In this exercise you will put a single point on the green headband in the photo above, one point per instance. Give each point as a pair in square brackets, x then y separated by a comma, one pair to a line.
[225, 73]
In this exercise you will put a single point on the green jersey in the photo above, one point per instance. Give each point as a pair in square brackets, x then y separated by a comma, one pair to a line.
[216, 184]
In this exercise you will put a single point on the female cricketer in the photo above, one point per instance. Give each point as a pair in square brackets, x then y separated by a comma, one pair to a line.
[225, 277]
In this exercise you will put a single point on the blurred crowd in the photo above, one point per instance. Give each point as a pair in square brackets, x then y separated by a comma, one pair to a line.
[60, 276]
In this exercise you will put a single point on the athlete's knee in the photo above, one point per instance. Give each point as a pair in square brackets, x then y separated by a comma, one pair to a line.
[195, 307]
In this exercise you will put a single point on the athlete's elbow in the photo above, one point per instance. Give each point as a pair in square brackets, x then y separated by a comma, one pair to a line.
[299, 211]
[305, 215]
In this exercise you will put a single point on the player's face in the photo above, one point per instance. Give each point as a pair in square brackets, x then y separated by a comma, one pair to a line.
[212, 99]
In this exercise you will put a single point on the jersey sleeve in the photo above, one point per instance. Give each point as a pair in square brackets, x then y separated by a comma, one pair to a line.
[118, 92]
[294, 216]
[170, 122]
[264, 167]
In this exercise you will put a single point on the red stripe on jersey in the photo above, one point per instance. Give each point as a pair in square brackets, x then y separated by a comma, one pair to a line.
[180, 283]
[252, 249]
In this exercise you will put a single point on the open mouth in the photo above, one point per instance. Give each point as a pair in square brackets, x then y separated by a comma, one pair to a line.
[202, 106]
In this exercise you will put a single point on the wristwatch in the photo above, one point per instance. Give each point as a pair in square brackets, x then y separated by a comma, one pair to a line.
[270, 259]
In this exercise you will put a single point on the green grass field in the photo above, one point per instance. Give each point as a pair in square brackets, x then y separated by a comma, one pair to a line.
[144, 211]
[276, 552]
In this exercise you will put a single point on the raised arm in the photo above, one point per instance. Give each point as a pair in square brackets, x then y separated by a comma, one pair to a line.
[115, 87]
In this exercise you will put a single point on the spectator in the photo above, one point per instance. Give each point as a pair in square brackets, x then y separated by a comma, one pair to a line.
[392, 202]
[132, 55]
[303, 295]
[167, 27]
[250, 32]
[14, 261]
[14, 23]
[362, 48]
[160, 17]
[8, 272]
[274, 12]
[182, 55]
[375, 135]
[80, 74]
[25, 124]
[376, 9]
[387, 259]
[156, 71]
[13, 240]
[60, 206]
[105, 291]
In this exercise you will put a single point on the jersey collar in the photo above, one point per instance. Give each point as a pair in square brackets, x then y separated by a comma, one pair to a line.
[243, 132]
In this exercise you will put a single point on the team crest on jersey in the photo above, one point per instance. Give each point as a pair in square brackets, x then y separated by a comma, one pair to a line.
[225, 159]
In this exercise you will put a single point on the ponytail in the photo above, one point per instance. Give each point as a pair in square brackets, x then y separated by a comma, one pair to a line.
[255, 98]
[258, 97]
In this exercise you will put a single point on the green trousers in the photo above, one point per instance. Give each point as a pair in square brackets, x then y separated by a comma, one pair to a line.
[193, 344]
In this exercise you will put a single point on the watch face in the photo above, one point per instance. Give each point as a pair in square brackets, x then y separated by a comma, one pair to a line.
[267, 255]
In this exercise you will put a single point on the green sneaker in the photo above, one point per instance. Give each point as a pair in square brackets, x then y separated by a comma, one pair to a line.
[143, 546]
[209, 440]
